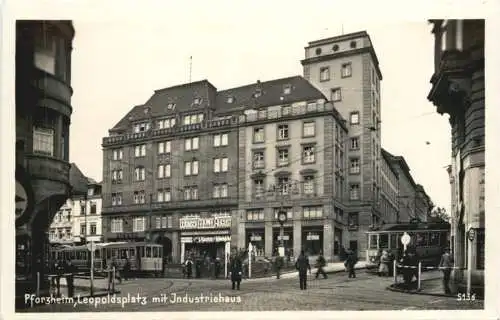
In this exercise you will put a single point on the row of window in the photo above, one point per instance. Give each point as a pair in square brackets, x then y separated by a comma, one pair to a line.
[220, 190]
[283, 157]
[308, 130]
[310, 212]
[325, 73]
[83, 229]
[285, 186]
[139, 223]
[191, 168]
[164, 147]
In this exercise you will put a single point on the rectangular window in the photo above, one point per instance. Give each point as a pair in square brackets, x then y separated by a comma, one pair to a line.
[283, 157]
[289, 213]
[255, 215]
[220, 191]
[116, 176]
[116, 199]
[117, 154]
[258, 135]
[287, 89]
[93, 207]
[313, 212]
[140, 174]
[220, 140]
[166, 123]
[259, 188]
[190, 193]
[141, 127]
[43, 141]
[140, 150]
[45, 53]
[308, 155]
[258, 160]
[354, 143]
[221, 165]
[354, 166]
[346, 70]
[309, 129]
[191, 168]
[139, 197]
[283, 185]
[93, 229]
[324, 74]
[139, 224]
[353, 219]
[283, 132]
[308, 187]
[191, 144]
[354, 191]
[336, 95]
[164, 171]
[116, 225]
[354, 117]
[83, 230]
[164, 147]
[164, 195]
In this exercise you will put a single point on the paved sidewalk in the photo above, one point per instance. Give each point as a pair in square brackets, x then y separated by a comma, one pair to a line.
[431, 284]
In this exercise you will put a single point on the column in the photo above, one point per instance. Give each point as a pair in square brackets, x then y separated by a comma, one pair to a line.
[297, 237]
[58, 137]
[328, 237]
[175, 245]
[183, 248]
[240, 240]
[268, 235]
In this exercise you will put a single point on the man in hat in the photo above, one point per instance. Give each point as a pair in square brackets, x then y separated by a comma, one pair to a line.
[302, 265]
[236, 269]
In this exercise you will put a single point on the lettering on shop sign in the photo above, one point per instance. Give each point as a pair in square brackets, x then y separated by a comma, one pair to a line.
[255, 238]
[205, 223]
[286, 237]
[312, 237]
[203, 239]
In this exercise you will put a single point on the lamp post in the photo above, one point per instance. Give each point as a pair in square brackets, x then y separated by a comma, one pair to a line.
[282, 218]
[83, 205]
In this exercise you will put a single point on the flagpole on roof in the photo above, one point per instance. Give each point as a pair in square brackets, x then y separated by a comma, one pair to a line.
[190, 67]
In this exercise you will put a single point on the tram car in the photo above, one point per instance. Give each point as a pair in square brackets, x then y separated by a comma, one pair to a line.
[144, 258]
[427, 239]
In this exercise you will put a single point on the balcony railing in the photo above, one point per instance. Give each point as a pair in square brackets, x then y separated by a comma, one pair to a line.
[181, 204]
[48, 168]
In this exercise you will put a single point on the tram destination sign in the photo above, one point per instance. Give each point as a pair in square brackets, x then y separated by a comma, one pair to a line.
[215, 222]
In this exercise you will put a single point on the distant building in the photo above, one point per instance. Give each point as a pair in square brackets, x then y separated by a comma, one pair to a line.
[423, 203]
[389, 201]
[458, 90]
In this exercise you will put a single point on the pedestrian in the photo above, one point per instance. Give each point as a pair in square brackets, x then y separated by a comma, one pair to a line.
[302, 265]
[236, 269]
[188, 267]
[406, 269]
[278, 264]
[69, 269]
[350, 263]
[320, 264]
[218, 267]
[197, 267]
[383, 269]
[126, 269]
[446, 264]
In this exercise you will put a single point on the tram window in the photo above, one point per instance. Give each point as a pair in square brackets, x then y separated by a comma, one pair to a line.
[443, 239]
[108, 254]
[148, 252]
[132, 253]
[72, 255]
[161, 252]
[374, 241]
[140, 252]
[422, 239]
[155, 252]
[434, 239]
[84, 255]
[384, 241]
[114, 252]
[97, 254]
[123, 253]
[394, 241]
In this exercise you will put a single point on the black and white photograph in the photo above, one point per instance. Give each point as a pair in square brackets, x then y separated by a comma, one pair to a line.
[270, 156]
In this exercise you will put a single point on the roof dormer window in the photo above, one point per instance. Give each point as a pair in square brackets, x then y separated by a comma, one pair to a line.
[257, 93]
[171, 106]
[230, 99]
[141, 127]
[197, 101]
[287, 89]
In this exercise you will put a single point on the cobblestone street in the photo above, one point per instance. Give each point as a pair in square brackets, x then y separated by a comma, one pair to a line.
[366, 292]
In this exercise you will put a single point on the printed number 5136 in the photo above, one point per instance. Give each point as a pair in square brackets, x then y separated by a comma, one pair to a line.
[466, 297]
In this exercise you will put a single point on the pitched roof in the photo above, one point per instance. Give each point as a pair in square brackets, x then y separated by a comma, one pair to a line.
[77, 180]
[182, 96]
[272, 93]
[401, 162]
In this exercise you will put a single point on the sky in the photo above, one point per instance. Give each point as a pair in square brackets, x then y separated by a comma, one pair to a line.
[118, 63]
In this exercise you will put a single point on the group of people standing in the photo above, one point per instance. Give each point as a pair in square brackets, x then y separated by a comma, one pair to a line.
[211, 267]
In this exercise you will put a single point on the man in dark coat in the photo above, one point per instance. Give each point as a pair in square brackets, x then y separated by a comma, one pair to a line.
[350, 263]
[70, 269]
[188, 268]
[278, 262]
[236, 269]
[446, 265]
[302, 265]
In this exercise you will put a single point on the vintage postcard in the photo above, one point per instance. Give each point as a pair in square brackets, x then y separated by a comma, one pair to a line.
[211, 157]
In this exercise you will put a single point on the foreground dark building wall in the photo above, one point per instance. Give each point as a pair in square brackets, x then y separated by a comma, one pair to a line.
[458, 90]
[43, 113]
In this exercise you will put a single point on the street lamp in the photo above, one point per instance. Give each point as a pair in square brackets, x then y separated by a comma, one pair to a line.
[282, 218]
[83, 205]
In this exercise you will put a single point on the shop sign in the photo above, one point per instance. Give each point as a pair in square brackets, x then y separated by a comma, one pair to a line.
[285, 237]
[312, 236]
[126, 235]
[255, 238]
[205, 239]
[215, 222]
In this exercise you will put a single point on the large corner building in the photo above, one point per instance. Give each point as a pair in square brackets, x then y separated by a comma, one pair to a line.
[195, 167]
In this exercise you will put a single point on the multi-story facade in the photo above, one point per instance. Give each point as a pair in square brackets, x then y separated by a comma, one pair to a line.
[390, 190]
[346, 70]
[43, 112]
[170, 172]
[292, 158]
[458, 90]
[423, 203]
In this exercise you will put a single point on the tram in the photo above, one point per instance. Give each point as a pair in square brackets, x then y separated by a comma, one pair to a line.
[143, 257]
[427, 239]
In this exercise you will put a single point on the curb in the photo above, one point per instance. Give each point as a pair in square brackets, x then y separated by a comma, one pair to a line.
[394, 289]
